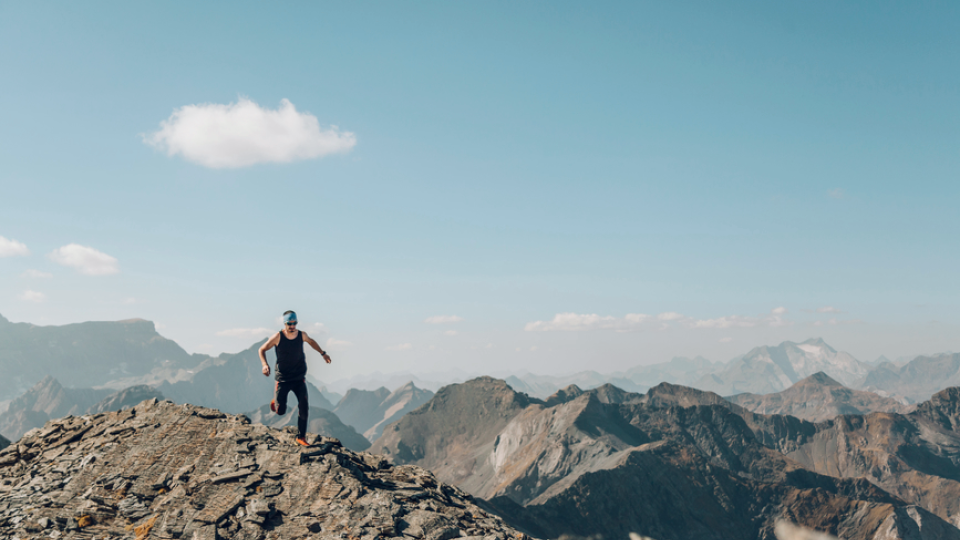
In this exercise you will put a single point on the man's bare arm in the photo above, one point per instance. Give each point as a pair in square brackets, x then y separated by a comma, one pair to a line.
[271, 343]
[310, 341]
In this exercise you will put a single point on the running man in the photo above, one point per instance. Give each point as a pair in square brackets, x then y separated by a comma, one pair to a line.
[291, 370]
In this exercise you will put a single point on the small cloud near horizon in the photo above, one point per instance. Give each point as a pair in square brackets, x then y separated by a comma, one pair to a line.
[33, 296]
[636, 322]
[828, 309]
[36, 274]
[726, 339]
[242, 134]
[400, 347]
[836, 193]
[451, 333]
[85, 260]
[443, 319]
[337, 344]
[254, 333]
[12, 248]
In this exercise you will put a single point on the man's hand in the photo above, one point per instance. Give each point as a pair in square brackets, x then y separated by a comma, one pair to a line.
[266, 370]
[326, 358]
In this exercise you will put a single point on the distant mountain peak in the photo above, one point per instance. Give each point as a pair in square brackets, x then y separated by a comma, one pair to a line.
[818, 342]
[819, 378]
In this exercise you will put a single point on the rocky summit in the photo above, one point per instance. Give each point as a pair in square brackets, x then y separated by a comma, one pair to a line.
[167, 471]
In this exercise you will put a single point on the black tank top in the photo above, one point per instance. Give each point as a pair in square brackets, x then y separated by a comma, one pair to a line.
[291, 362]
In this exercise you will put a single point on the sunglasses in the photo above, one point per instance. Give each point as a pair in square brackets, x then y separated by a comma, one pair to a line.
[294, 323]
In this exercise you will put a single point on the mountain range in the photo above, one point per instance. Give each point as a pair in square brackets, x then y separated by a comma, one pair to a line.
[690, 463]
[86, 354]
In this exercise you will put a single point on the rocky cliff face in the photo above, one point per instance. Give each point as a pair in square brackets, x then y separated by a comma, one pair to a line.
[691, 465]
[818, 398]
[162, 470]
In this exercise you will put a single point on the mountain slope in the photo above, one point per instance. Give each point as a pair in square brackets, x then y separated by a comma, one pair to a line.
[358, 408]
[454, 433]
[85, 354]
[918, 379]
[818, 398]
[913, 456]
[4, 442]
[395, 406]
[47, 399]
[161, 470]
[321, 422]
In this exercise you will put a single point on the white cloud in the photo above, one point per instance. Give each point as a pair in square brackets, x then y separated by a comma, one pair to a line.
[835, 322]
[400, 347]
[243, 133]
[836, 193]
[726, 339]
[12, 248]
[443, 319]
[33, 296]
[36, 274]
[254, 333]
[337, 344]
[534, 348]
[633, 322]
[85, 260]
[451, 333]
[575, 322]
[828, 309]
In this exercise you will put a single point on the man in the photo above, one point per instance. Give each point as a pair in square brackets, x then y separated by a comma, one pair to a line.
[291, 370]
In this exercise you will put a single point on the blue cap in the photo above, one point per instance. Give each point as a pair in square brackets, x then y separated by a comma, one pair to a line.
[289, 317]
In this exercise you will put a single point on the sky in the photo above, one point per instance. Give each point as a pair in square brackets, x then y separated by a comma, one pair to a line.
[487, 186]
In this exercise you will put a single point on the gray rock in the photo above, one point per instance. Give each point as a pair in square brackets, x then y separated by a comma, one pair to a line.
[174, 472]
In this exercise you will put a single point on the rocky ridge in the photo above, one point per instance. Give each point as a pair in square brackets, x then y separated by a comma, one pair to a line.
[161, 470]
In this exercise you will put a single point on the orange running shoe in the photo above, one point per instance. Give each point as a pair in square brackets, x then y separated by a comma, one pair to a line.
[273, 405]
[302, 442]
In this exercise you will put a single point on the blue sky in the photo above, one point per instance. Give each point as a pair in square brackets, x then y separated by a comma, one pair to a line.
[511, 162]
